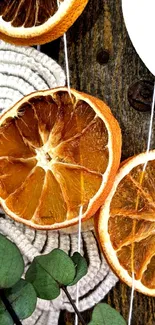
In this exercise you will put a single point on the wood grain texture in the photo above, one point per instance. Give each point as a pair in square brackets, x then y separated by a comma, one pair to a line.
[101, 26]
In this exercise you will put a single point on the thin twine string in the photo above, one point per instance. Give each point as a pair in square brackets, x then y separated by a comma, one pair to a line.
[137, 203]
[79, 250]
[67, 64]
[66, 59]
[81, 208]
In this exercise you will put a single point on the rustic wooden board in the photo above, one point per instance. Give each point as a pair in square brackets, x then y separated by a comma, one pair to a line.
[101, 27]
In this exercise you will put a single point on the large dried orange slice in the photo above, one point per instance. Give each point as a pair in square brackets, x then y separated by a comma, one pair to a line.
[30, 22]
[57, 153]
[126, 224]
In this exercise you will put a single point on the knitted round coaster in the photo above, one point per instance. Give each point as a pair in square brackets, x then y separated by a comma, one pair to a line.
[23, 70]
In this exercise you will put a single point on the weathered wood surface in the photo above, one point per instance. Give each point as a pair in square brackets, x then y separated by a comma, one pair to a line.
[101, 26]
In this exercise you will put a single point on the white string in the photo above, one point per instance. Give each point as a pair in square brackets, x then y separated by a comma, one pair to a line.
[150, 129]
[66, 59]
[80, 210]
[39, 48]
[131, 299]
[79, 250]
[144, 168]
[67, 64]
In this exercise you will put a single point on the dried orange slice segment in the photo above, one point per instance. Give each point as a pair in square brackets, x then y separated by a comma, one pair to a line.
[31, 22]
[57, 153]
[126, 224]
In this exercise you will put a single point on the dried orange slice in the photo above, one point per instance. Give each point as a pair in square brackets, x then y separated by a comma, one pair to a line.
[30, 22]
[126, 224]
[57, 153]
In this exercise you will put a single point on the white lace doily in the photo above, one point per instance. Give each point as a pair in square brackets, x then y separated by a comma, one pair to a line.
[23, 70]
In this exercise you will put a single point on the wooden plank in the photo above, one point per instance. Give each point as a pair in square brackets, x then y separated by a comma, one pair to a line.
[100, 28]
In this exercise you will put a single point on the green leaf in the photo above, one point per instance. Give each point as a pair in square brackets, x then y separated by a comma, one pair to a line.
[11, 263]
[5, 318]
[23, 299]
[49, 272]
[103, 314]
[45, 286]
[81, 267]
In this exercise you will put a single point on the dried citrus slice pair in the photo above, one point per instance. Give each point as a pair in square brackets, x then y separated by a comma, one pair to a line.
[126, 224]
[57, 153]
[30, 22]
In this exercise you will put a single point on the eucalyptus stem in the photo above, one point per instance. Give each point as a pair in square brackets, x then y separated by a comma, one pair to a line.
[73, 305]
[9, 308]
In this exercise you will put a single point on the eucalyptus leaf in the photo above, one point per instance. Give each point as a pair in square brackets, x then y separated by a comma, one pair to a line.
[80, 266]
[22, 298]
[11, 263]
[49, 272]
[45, 286]
[103, 314]
[5, 318]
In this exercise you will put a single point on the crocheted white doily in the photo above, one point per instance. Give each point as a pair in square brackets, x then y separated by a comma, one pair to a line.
[23, 70]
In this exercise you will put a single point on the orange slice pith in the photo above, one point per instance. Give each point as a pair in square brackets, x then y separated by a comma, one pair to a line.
[63, 149]
[124, 228]
[29, 22]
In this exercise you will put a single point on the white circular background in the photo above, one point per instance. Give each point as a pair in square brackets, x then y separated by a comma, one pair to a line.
[139, 16]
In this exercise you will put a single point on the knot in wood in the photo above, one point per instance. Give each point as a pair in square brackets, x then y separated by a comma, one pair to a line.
[140, 95]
